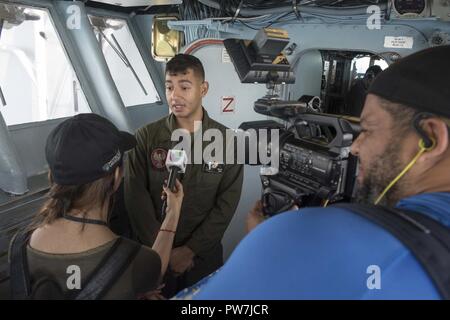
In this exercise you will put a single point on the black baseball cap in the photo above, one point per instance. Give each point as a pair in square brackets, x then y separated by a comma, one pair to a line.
[420, 81]
[85, 148]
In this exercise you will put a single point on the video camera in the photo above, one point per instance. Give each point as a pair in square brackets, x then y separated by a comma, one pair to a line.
[315, 163]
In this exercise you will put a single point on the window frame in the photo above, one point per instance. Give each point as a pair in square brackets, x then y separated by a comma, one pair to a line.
[154, 73]
[70, 53]
[13, 127]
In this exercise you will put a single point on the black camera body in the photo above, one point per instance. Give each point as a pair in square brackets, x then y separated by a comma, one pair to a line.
[315, 163]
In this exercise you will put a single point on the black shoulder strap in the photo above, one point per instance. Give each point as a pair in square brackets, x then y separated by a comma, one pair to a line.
[113, 264]
[18, 267]
[427, 239]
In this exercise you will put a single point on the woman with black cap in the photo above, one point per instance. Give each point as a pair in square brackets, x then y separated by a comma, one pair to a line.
[70, 252]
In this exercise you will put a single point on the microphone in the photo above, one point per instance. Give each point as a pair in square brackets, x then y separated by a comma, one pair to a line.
[176, 162]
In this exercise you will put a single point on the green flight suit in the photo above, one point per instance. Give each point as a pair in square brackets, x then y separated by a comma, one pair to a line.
[210, 196]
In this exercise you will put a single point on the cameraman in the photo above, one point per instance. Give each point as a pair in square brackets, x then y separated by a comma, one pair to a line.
[334, 253]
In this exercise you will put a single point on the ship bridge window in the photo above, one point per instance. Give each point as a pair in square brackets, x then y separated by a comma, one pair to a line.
[124, 61]
[362, 62]
[37, 81]
[346, 77]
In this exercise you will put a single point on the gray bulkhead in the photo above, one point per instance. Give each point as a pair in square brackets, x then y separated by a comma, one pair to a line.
[22, 161]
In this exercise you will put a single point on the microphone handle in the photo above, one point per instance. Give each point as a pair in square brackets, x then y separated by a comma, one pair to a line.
[172, 178]
[171, 185]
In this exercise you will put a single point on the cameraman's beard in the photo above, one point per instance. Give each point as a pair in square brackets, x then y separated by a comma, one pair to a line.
[380, 174]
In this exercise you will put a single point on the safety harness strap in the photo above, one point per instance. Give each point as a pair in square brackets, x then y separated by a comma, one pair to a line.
[426, 238]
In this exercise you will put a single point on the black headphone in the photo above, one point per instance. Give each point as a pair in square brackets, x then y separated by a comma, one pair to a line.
[427, 146]
[426, 143]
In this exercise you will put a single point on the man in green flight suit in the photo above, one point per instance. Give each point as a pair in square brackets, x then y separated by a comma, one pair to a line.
[212, 190]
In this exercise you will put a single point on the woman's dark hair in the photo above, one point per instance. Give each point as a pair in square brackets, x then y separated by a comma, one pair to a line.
[62, 199]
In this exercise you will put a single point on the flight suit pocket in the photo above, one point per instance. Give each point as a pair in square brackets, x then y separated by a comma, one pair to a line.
[212, 173]
[210, 183]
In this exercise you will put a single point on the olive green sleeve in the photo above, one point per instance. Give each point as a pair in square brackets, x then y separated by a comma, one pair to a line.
[138, 201]
[211, 230]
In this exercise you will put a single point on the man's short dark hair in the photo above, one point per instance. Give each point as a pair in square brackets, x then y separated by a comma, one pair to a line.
[182, 62]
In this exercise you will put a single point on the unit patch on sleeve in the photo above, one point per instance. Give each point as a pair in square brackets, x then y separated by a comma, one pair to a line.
[158, 158]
